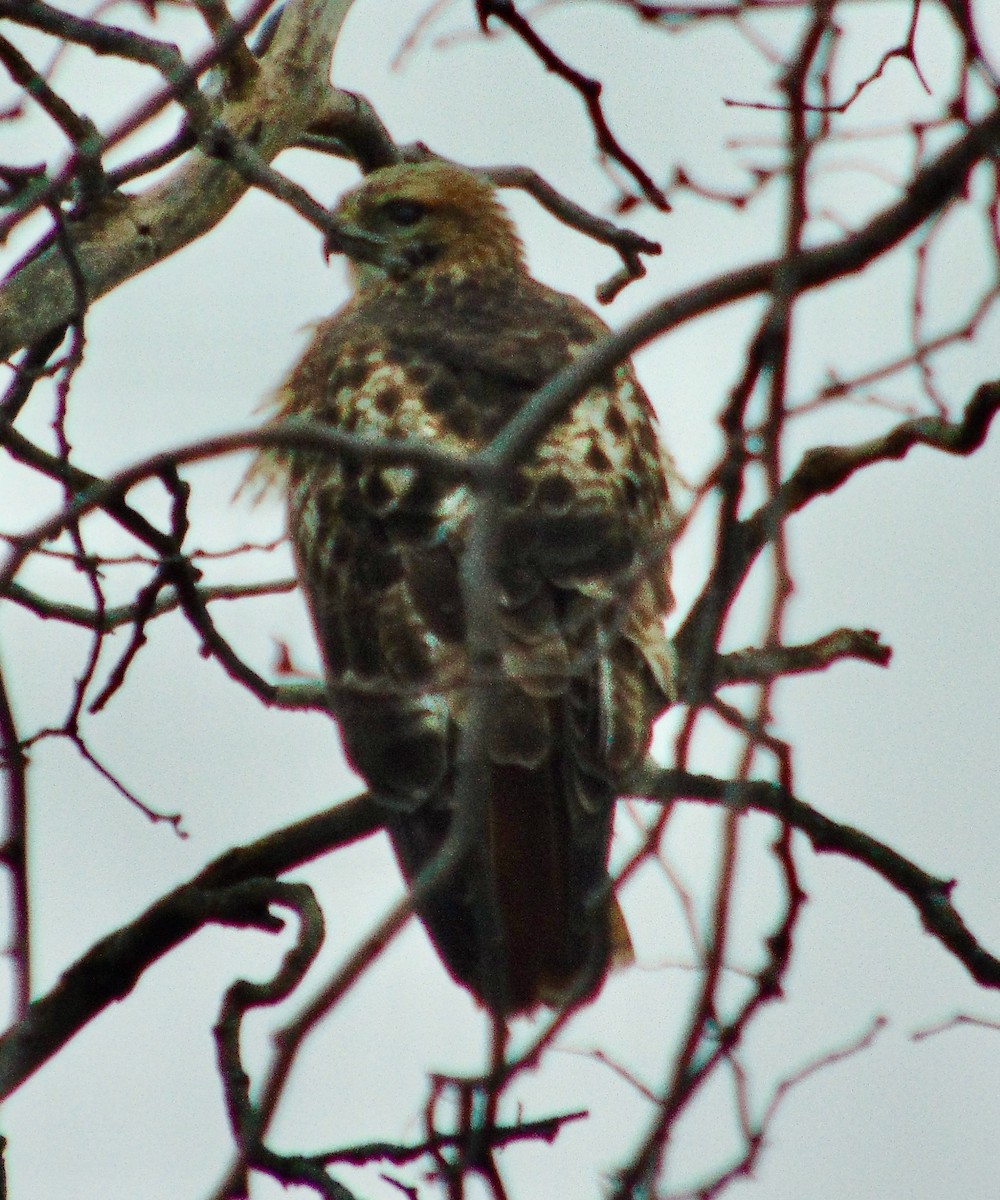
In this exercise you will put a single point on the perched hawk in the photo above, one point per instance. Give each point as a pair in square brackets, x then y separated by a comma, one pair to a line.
[446, 338]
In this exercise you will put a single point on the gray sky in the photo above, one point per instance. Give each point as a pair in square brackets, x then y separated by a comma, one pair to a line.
[132, 1107]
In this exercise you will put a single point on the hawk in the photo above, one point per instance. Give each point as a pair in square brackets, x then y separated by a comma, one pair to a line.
[446, 338]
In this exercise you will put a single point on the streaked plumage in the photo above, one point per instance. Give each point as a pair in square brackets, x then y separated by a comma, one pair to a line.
[446, 338]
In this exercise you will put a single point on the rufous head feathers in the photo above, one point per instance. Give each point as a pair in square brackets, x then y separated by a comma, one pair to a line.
[423, 218]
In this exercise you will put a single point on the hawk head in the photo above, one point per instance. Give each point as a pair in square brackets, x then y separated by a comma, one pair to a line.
[420, 219]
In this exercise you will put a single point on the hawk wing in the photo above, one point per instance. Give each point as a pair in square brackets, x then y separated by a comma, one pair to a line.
[581, 595]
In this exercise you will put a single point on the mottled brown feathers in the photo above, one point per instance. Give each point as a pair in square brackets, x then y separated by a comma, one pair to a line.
[446, 338]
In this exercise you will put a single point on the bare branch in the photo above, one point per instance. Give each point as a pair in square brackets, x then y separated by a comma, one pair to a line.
[755, 1132]
[544, 1129]
[32, 366]
[629, 244]
[129, 614]
[94, 493]
[960, 1020]
[588, 89]
[932, 188]
[80, 130]
[929, 895]
[227, 130]
[822, 471]
[14, 852]
[290, 1039]
[772, 662]
[239, 999]
[240, 65]
[136, 232]
[112, 968]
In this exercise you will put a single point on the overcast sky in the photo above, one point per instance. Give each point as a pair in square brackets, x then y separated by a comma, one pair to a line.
[132, 1107]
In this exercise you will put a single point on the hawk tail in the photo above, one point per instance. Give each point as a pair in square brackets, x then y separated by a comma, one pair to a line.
[560, 926]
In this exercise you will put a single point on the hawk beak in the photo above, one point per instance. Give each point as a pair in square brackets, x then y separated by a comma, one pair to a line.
[344, 237]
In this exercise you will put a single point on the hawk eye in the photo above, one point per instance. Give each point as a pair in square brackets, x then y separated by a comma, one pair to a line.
[403, 212]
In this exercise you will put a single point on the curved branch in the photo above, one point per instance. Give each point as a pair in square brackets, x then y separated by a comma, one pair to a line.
[823, 470]
[240, 998]
[759, 665]
[628, 244]
[929, 895]
[112, 967]
[110, 970]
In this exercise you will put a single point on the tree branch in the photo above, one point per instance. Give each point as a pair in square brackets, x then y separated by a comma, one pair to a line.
[110, 970]
[112, 967]
[759, 665]
[126, 614]
[107, 495]
[629, 245]
[929, 895]
[822, 471]
[588, 89]
[14, 851]
[543, 1129]
[135, 232]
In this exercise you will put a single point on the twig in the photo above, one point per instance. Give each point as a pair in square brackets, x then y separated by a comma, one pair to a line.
[70, 731]
[958, 1021]
[32, 366]
[628, 244]
[588, 89]
[932, 188]
[136, 612]
[80, 130]
[544, 1129]
[822, 471]
[773, 662]
[292, 434]
[239, 65]
[755, 1132]
[14, 851]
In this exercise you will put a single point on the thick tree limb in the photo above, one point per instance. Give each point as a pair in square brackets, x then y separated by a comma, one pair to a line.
[132, 233]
